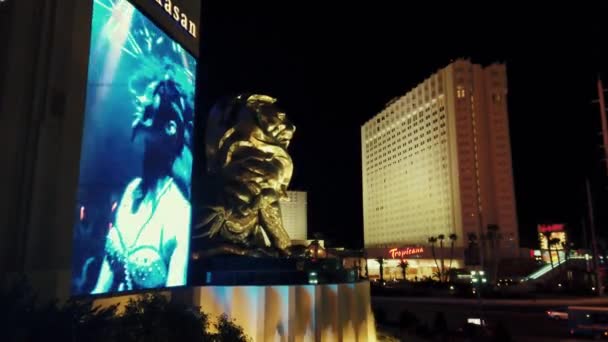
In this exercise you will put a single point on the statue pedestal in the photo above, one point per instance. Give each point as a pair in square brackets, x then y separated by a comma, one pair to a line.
[327, 312]
[283, 300]
[244, 271]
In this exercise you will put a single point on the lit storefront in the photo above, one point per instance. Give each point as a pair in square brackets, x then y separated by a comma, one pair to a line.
[418, 261]
[548, 233]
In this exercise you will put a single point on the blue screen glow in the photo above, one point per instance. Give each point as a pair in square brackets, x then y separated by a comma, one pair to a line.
[132, 219]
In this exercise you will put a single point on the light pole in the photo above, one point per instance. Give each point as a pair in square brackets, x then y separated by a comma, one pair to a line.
[596, 265]
[600, 95]
[602, 105]
[478, 279]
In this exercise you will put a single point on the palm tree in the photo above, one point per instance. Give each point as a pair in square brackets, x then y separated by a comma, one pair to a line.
[432, 242]
[473, 247]
[453, 237]
[548, 237]
[555, 242]
[381, 262]
[472, 237]
[441, 237]
[566, 248]
[494, 236]
[403, 264]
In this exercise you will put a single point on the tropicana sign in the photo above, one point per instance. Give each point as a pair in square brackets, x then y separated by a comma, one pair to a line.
[398, 253]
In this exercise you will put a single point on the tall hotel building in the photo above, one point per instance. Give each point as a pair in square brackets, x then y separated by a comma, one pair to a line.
[294, 210]
[437, 160]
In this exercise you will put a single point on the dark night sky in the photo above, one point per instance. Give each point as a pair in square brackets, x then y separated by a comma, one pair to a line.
[333, 68]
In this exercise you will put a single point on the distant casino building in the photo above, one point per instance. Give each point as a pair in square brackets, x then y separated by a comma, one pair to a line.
[437, 160]
[294, 213]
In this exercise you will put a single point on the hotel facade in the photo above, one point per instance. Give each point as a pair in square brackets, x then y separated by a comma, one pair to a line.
[294, 210]
[437, 160]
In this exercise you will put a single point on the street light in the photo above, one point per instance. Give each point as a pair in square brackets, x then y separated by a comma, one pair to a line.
[478, 277]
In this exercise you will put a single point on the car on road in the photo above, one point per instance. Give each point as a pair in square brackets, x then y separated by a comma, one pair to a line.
[588, 320]
[559, 314]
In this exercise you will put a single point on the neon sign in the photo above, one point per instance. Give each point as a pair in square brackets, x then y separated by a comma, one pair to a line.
[543, 228]
[398, 253]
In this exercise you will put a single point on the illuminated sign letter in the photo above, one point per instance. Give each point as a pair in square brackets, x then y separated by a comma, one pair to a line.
[168, 6]
[192, 29]
[176, 13]
[392, 252]
[184, 22]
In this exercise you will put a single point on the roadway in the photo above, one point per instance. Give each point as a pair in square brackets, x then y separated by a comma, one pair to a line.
[525, 320]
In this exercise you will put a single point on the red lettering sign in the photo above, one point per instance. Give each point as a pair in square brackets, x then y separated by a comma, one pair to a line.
[398, 253]
[550, 228]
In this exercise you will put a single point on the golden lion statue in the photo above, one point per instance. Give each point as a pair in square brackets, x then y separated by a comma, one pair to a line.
[248, 171]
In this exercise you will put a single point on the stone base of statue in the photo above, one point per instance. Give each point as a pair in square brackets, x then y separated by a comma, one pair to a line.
[325, 312]
[242, 270]
[298, 313]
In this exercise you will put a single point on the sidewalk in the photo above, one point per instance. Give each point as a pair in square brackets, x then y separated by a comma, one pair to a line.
[594, 301]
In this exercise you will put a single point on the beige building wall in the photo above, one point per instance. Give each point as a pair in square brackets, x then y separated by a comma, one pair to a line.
[408, 188]
[294, 211]
[437, 160]
[43, 83]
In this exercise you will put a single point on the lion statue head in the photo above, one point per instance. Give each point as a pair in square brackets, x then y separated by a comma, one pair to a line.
[246, 153]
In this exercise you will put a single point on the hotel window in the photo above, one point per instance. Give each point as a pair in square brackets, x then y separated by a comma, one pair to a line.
[460, 93]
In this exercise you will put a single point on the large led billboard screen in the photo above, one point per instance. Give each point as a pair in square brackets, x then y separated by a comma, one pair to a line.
[132, 218]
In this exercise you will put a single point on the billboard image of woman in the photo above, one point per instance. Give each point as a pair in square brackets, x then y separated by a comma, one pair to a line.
[133, 213]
